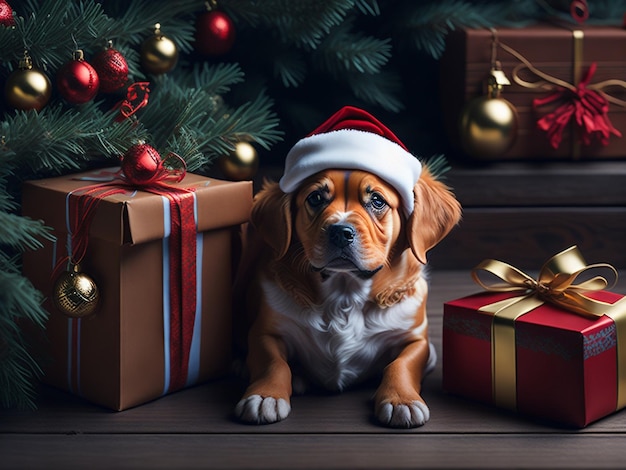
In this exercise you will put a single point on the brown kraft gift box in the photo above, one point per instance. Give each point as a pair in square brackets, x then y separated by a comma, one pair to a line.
[553, 50]
[117, 357]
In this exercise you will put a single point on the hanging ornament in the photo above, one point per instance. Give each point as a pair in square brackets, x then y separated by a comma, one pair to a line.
[159, 54]
[215, 32]
[27, 87]
[75, 294]
[240, 164]
[6, 14]
[488, 124]
[77, 81]
[112, 69]
[142, 165]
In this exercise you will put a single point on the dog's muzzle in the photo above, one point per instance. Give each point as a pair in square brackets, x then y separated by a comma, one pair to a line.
[340, 237]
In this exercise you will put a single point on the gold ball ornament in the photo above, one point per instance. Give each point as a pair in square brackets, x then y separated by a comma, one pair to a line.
[75, 294]
[488, 127]
[488, 124]
[27, 87]
[159, 54]
[240, 164]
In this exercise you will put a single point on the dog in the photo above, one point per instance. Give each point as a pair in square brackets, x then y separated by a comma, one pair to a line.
[333, 277]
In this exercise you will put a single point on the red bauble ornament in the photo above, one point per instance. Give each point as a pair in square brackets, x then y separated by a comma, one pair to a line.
[112, 69]
[77, 81]
[215, 33]
[6, 14]
[141, 164]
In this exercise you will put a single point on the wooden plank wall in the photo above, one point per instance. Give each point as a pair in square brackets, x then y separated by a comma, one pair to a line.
[523, 213]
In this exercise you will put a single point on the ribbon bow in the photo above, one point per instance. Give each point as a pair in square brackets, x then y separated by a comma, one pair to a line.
[136, 98]
[588, 108]
[555, 284]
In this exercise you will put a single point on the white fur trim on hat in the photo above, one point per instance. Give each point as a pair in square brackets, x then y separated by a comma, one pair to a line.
[351, 149]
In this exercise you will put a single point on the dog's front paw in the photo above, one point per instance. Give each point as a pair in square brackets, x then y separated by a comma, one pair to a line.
[402, 415]
[262, 410]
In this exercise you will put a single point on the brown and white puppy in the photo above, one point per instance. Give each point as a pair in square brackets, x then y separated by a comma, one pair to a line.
[333, 275]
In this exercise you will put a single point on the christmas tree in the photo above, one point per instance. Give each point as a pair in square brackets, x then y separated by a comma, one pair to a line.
[240, 70]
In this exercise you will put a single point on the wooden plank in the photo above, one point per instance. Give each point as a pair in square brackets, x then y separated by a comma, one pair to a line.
[518, 184]
[528, 236]
[299, 451]
[526, 184]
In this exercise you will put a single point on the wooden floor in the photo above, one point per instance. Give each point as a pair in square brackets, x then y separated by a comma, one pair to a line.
[195, 429]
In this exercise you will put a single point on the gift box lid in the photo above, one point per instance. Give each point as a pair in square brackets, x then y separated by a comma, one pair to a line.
[547, 314]
[544, 44]
[134, 217]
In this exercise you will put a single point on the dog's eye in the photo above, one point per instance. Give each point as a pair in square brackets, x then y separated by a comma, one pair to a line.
[316, 199]
[377, 202]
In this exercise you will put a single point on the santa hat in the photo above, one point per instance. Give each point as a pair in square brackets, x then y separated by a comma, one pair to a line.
[353, 139]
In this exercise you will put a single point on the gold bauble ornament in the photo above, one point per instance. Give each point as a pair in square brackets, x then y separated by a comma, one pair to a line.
[240, 164]
[75, 294]
[489, 123]
[27, 87]
[159, 54]
[488, 127]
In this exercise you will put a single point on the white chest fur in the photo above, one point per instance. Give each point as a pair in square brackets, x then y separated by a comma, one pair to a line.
[346, 338]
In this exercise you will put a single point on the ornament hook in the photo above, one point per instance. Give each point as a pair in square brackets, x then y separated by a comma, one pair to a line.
[497, 79]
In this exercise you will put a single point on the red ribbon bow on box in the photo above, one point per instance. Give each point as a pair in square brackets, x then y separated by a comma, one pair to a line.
[587, 107]
[586, 104]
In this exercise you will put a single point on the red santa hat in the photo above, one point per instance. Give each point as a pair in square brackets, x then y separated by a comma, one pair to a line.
[353, 139]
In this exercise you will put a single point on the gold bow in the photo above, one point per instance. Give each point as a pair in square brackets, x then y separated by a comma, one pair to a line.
[556, 284]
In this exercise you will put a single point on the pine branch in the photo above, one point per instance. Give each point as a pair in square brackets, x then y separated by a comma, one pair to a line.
[58, 139]
[346, 51]
[135, 20]
[380, 89]
[301, 24]
[438, 166]
[255, 121]
[22, 233]
[51, 31]
[252, 122]
[291, 67]
[368, 7]
[216, 79]
[194, 122]
[20, 302]
[430, 25]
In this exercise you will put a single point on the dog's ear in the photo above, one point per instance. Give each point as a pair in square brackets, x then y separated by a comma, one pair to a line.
[271, 217]
[435, 213]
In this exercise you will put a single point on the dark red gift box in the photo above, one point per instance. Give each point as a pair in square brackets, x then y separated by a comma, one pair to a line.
[565, 365]
[553, 50]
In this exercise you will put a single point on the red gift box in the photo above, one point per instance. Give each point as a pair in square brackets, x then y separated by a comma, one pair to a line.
[131, 350]
[564, 367]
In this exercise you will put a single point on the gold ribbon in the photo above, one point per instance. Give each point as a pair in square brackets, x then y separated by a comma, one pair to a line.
[548, 82]
[556, 284]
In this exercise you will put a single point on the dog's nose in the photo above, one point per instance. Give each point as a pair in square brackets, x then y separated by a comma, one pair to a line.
[341, 235]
